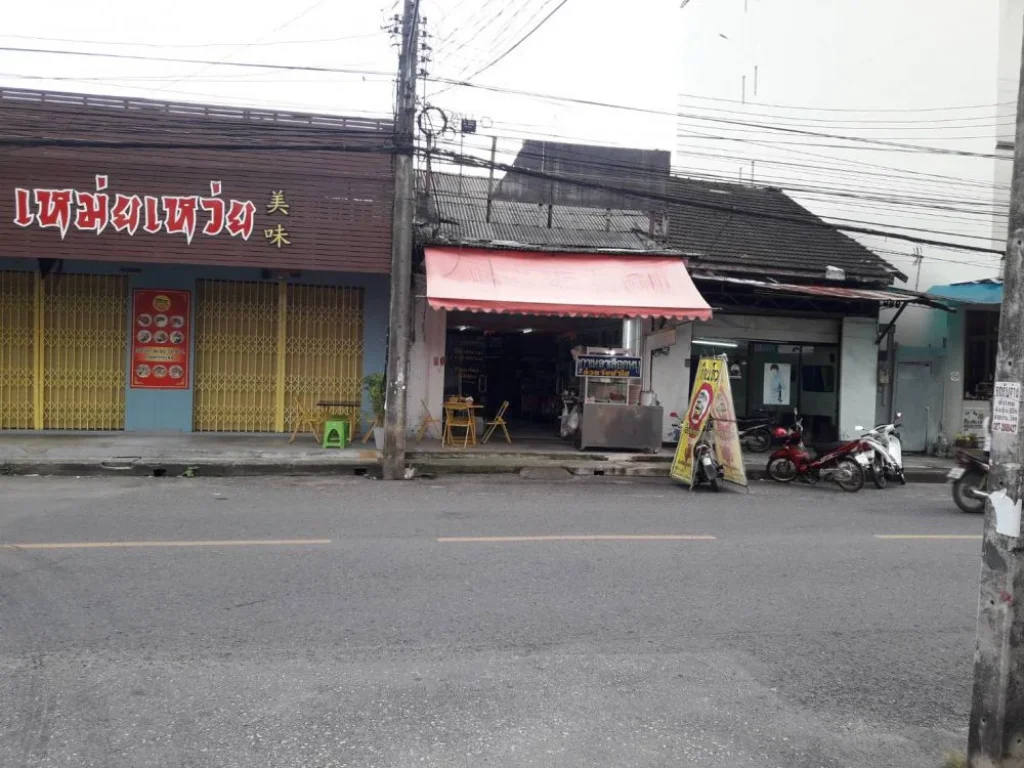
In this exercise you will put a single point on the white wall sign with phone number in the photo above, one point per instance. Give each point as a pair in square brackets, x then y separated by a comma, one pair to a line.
[1006, 407]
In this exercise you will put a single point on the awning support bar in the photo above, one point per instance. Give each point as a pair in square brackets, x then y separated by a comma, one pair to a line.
[892, 322]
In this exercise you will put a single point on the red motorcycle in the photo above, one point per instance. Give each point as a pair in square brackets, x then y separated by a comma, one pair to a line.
[844, 464]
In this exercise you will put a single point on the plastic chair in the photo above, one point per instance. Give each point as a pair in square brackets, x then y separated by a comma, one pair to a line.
[335, 433]
[498, 421]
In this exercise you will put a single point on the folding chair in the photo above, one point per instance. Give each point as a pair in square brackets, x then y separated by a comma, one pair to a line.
[426, 420]
[454, 418]
[369, 430]
[305, 419]
[498, 421]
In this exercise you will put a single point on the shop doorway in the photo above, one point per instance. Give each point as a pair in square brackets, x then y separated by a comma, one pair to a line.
[913, 384]
[770, 379]
[523, 359]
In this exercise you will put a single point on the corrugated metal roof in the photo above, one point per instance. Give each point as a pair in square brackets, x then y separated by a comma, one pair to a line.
[461, 208]
[988, 291]
[744, 229]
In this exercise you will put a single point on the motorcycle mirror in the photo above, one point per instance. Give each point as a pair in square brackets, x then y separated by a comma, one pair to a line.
[674, 415]
[859, 428]
[898, 415]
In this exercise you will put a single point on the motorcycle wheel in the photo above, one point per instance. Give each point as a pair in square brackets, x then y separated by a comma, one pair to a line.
[856, 476]
[971, 479]
[878, 472]
[714, 485]
[759, 441]
[782, 470]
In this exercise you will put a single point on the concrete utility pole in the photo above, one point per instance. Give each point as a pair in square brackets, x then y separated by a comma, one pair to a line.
[996, 737]
[395, 409]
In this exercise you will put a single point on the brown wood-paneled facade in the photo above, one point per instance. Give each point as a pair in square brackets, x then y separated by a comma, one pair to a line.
[335, 175]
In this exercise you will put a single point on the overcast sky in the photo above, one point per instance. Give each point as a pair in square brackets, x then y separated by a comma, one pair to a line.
[834, 65]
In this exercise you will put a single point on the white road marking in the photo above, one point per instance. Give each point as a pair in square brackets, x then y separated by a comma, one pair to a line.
[136, 544]
[579, 537]
[930, 536]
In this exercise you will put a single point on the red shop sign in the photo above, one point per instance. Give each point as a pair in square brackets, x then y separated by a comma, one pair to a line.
[160, 339]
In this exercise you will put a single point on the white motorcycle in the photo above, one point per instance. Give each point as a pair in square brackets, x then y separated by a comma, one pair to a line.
[885, 461]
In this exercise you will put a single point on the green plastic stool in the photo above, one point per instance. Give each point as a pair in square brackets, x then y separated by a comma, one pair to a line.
[335, 433]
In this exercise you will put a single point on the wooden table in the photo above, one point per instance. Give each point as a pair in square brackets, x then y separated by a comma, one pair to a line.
[454, 407]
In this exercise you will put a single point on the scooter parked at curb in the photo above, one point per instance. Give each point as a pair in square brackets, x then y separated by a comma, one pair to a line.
[886, 454]
[705, 465]
[755, 436]
[970, 481]
[844, 465]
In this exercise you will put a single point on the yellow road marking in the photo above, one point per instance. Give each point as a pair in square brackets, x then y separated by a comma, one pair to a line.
[930, 536]
[124, 544]
[581, 537]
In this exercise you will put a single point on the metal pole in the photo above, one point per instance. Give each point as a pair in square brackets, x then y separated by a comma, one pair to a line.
[996, 735]
[490, 178]
[395, 410]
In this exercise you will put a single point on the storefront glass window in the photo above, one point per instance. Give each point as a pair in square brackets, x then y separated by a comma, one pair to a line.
[980, 347]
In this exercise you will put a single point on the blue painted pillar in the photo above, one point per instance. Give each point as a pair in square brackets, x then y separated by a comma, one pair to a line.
[161, 410]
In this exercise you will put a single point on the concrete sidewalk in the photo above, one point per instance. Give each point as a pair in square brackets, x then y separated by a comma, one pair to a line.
[114, 453]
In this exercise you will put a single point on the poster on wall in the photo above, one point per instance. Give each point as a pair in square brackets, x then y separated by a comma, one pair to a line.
[160, 339]
[776, 384]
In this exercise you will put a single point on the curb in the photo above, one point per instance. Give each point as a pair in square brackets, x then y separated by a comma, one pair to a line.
[181, 468]
[432, 466]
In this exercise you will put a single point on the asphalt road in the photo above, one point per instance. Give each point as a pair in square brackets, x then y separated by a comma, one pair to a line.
[795, 638]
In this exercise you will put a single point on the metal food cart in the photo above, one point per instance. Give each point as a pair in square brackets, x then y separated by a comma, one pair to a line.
[612, 413]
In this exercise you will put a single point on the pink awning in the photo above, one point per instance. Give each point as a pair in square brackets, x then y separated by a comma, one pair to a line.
[562, 284]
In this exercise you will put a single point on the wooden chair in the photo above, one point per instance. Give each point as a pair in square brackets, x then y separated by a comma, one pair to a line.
[498, 421]
[305, 418]
[426, 420]
[369, 430]
[457, 418]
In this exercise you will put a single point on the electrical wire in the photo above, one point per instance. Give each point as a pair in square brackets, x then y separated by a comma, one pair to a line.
[188, 45]
[174, 60]
[846, 225]
[519, 42]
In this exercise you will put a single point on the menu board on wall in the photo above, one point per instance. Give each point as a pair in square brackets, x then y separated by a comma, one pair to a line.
[161, 334]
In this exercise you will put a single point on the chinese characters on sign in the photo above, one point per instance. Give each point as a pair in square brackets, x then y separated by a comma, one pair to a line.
[611, 367]
[160, 339]
[94, 211]
[277, 236]
[1006, 407]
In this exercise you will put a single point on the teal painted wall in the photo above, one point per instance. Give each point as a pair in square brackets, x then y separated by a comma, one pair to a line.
[171, 410]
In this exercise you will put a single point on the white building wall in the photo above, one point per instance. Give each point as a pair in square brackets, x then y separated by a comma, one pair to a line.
[667, 358]
[858, 369]
[426, 360]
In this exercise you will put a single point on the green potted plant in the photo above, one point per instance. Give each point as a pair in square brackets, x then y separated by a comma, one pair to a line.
[376, 385]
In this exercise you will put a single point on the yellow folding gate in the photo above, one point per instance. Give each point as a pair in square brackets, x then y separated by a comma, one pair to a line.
[63, 348]
[262, 349]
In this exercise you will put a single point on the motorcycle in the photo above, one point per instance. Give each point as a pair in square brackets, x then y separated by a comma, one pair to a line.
[705, 465]
[755, 436]
[886, 453]
[970, 481]
[844, 465]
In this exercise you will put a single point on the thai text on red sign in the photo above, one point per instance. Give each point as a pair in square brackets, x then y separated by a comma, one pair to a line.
[95, 210]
